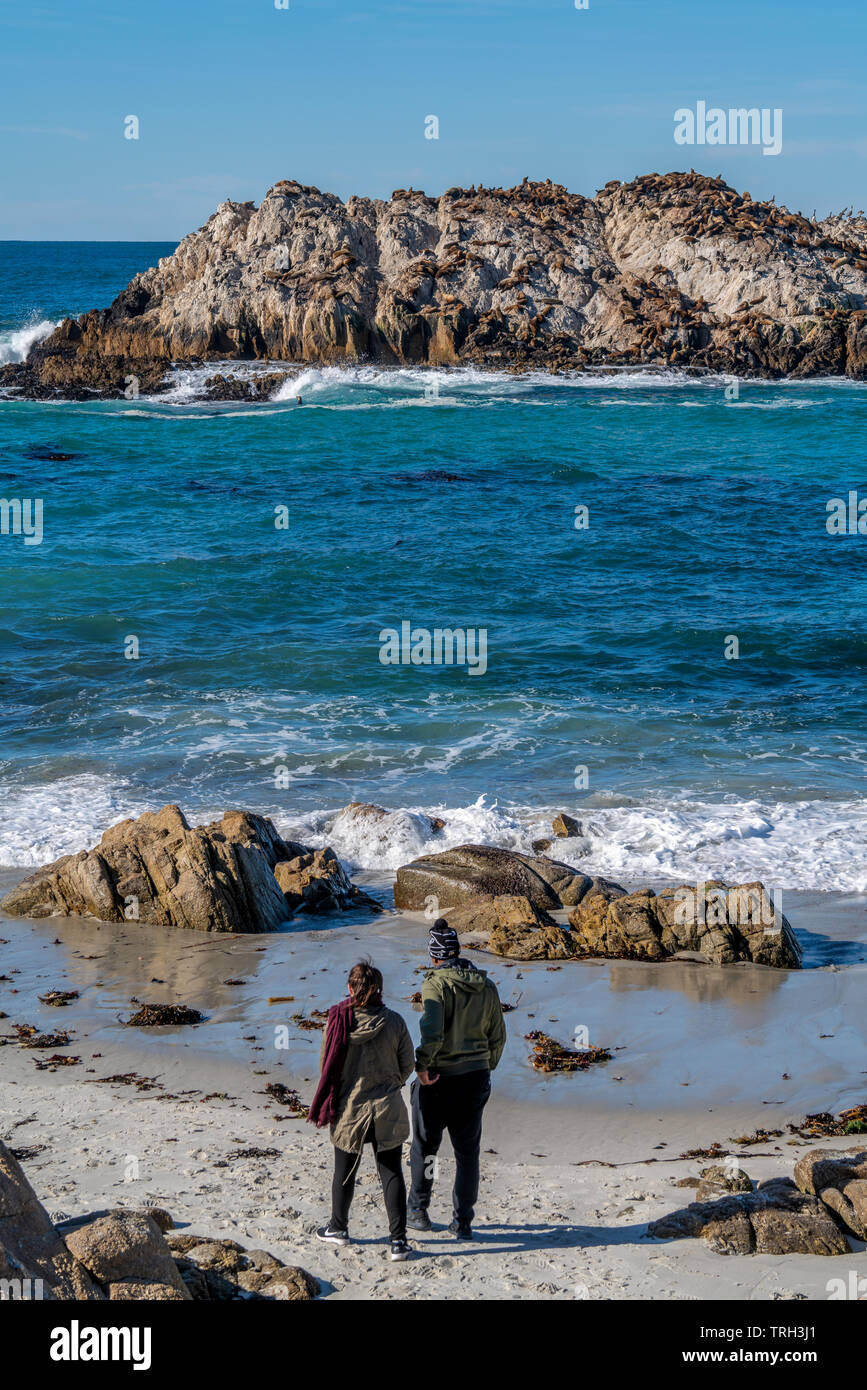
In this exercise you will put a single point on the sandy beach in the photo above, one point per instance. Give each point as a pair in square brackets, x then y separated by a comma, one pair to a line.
[574, 1166]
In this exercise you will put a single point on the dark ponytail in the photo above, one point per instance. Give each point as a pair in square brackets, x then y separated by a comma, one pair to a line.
[365, 982]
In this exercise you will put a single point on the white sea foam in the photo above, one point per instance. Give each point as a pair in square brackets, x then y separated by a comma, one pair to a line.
[799, 844]
[42, 821]
[789, 844]
[15, 343]
[373, 388]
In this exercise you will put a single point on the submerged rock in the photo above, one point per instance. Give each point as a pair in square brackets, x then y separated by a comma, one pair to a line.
[219, 877]
[564, 827]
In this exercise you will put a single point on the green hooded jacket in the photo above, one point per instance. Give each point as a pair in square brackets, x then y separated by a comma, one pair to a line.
[462, 1026]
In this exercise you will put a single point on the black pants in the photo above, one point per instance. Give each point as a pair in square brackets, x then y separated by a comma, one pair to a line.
[454, 1103]
[388, 1163]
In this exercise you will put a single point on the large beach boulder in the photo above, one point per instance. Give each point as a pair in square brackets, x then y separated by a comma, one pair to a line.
[30, 1247]
[721, 923]
[157, 870]
[160, 871]
[456, 877]
[776, 1219]
[127, 1253]
[839, 1178]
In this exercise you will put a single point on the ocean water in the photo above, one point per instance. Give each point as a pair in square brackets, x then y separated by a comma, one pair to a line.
[445, 500]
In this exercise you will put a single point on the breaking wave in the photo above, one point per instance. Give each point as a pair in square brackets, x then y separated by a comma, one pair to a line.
[15, 343]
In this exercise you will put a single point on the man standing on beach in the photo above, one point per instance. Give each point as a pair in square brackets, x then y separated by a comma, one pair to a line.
[462, 1039]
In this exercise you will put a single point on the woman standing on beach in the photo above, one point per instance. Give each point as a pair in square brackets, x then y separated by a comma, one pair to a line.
[367, 1056]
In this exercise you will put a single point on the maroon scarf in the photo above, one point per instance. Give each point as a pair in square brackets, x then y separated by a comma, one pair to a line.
[341, 1021]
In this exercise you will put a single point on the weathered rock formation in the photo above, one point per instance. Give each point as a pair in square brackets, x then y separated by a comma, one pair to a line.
[235, 875]
[716, 1181]
[501, 901]
[776, 1219]
[512, 926]
[315, 881]
[839, 1178]
[126, 1252]
[675, 269]
[723, 924]
[223, 1269]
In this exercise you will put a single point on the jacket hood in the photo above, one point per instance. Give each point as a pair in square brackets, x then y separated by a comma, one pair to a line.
[462, 975]
[369, 1023]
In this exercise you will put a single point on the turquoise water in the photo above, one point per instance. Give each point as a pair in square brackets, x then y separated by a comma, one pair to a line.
[446, 500]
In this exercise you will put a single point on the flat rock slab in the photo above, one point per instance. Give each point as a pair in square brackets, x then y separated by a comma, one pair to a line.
[776, 1219]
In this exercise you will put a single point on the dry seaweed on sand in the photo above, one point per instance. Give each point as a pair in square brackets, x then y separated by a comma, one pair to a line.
[761, 1136]
[822, 1124]
[716, 1150]
[155, 1015]
[549, 1055]
[29, 1151]
[315, 1019]
[128, 1078]
[284, 1096]
[253, 1153]
[58, 998]
[56, 1060]
[28, 1037]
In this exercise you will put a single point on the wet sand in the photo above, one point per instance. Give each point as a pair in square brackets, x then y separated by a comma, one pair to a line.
[702, 1053]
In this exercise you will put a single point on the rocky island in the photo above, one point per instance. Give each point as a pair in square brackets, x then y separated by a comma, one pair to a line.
[674, 270]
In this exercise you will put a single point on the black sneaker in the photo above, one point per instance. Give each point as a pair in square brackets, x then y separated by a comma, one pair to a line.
[418, 1220]
[331, 1236]
[461, 1230]
[400, 1250]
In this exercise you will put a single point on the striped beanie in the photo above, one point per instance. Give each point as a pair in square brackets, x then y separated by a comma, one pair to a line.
[443, 941]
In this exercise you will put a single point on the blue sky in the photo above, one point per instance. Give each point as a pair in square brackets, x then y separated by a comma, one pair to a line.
[233, 94]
